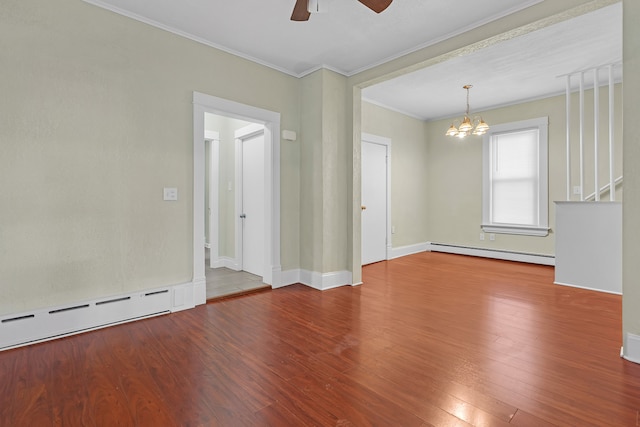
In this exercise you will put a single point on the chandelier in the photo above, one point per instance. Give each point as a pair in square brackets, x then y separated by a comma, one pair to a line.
[467, 127]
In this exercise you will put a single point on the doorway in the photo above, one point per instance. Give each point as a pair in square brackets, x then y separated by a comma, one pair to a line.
[375, 196]
[270, 121]
[234, 190]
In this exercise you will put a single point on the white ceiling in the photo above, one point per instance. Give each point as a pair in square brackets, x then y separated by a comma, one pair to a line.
[350, 38]
[523, 68]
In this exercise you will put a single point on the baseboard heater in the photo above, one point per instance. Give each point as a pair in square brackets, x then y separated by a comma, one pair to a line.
[54, 322]
[494, 253]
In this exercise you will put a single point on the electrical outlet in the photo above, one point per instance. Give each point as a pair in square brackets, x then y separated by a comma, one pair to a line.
[481, 236]
[393, 229]
[576, 189]
[492, 237]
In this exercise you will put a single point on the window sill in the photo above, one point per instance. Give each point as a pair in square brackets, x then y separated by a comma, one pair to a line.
[515, 229]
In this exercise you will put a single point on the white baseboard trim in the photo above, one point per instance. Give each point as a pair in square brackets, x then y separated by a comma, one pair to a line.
[30, 327]
[587, 288]
[407, 250]
[314, 279]
[495, 254]
[276, 276]
[331, 280]
[200, 291]
[287, 278]
[631, 349]
[227, 262]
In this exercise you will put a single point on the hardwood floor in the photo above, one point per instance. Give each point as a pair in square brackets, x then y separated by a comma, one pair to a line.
[429, 340]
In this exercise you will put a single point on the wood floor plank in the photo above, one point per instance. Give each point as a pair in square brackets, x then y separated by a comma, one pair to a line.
[430, 403]
[363, 407]
[433, 406]
[147, 403]
[33, 408]
[68, 383]
[167, 370]
[277, 415]
[524, 419]
[428, 340]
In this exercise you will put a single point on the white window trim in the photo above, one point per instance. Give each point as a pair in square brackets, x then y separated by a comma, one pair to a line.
[542, 124]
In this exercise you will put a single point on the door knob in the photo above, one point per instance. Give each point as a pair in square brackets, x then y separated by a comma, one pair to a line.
[243, 216]
[363, 207]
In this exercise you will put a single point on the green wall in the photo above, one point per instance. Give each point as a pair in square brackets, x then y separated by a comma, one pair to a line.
[95, 119]
[410, 166]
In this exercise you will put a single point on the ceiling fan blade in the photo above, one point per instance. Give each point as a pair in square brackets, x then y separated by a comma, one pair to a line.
[376, 5]
[300, 12]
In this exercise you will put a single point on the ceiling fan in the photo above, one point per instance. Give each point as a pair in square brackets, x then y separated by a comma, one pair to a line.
[301, 8]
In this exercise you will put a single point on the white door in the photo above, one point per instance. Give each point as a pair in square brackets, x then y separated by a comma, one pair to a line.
[374, 202]
[253, 204]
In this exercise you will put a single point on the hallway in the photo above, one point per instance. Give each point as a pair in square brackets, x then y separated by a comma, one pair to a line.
[224, 282]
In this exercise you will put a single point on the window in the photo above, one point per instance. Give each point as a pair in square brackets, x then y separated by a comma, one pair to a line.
[515, 193]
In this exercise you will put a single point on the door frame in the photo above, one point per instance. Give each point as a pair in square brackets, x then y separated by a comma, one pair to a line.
[203, 103]
[386, 142]
[240, 135]
[213, 138]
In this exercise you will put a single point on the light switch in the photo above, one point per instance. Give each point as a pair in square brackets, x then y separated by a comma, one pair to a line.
[170, 193]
